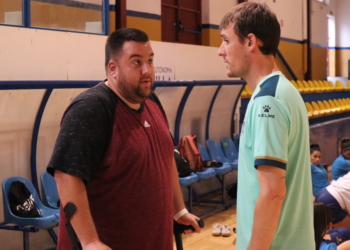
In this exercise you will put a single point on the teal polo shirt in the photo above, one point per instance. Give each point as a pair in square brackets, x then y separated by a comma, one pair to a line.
[275, 132]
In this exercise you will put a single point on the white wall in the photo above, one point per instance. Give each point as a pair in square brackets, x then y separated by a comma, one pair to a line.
[212, 12]
[30, 54]
[342, 23]
[34, 54]
[290, 14]
[147, 6]
[319, 21]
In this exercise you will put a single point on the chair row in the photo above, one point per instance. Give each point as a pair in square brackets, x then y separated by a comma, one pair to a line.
[225, 153]
[310, 86]
[319, 86]
[330, 107]
[47, 205]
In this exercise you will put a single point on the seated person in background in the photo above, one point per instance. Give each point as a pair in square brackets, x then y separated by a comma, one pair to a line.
[318, 172]
[341, 165]
[326, 237]
[337, 197]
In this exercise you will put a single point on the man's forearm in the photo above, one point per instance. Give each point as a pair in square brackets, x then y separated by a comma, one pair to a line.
[72, 189]
[266, 216]
[178, 199]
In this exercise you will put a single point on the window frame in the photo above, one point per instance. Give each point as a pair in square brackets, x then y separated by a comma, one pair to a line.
[26, 19]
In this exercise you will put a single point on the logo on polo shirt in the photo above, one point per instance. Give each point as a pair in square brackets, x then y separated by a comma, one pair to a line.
[146, 124]
[266, 109]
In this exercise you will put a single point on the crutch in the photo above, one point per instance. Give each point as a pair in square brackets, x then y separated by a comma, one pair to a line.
[179, 230]
[69, 210]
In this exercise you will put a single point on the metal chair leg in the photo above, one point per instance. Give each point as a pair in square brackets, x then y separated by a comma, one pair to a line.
[53, 235]
[26, 240]
[190, 198]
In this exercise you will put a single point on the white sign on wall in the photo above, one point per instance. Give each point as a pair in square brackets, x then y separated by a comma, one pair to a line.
[164, 65]
[164, 73]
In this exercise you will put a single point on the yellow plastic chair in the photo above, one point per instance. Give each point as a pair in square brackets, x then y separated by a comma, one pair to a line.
[321, 88]
[347, 88]
[313, 87]
[328, 107]
[339, 105]
[330, 85]
[317, 108]
[347, 100]
[244, 94]
[310, 85]
[339, 86]
[307, 86]
[323, 108]
[325, 86]
[310, 110]
[295, 85]
[333, 106]
[344, 104]
[249, 90]
[302, 87]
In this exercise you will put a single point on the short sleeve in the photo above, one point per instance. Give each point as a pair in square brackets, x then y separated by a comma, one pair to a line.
[270, 126]
[83, 138]
[344, 163]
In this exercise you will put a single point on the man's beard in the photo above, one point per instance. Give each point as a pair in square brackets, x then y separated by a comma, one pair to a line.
[134, 94]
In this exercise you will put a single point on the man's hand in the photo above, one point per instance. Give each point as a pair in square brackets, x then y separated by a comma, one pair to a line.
[96, 245]
[189, 219]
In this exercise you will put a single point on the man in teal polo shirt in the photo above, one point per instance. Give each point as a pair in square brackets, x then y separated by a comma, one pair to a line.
[274, 206]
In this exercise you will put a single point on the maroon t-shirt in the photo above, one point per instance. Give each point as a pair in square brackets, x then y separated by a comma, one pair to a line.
[125, 157]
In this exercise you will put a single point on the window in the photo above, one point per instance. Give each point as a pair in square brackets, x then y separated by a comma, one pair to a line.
[181, 21]
[11, 12]
[82, 15]
[91, 16]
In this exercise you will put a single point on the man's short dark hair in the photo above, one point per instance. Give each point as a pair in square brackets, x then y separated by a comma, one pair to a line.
[258, 19]
[116, 40]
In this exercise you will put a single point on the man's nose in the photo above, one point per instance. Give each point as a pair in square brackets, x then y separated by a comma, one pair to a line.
[146, 68]
[221, 51]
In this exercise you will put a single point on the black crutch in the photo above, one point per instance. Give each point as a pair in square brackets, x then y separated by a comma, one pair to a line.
[179, 230]
[69, 210]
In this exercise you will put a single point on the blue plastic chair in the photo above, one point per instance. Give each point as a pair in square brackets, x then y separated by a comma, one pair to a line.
[187, 182]
[49, 219]
[220, 174]
[50, 197]
[229, 148]
[236, 140]
[216, 153]
[225, 168]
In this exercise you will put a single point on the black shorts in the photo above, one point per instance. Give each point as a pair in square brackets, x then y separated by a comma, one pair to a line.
[338, 214]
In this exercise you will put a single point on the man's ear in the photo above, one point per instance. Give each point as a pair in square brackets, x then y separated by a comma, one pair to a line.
[252, 41]
[112, 68]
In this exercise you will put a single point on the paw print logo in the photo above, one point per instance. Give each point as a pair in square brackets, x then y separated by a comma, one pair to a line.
[266, 108]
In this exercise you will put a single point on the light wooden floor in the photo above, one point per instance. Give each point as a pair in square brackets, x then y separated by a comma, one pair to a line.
[204, 240]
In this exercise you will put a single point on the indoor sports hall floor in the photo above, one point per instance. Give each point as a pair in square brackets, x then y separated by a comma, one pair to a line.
[204, 240]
